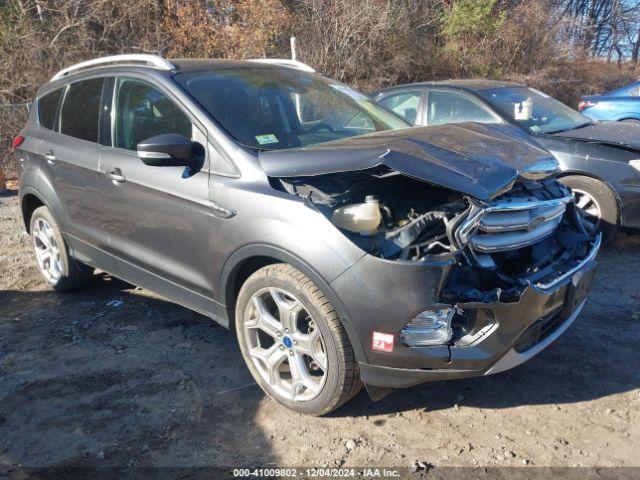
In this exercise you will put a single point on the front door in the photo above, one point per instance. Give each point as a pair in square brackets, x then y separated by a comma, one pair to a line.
[159, 216]
[447, 106]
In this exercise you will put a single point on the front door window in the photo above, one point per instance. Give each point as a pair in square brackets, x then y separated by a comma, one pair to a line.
[451, 107]
[142, 112]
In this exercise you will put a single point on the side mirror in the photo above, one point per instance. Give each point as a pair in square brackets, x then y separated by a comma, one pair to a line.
[169, 150]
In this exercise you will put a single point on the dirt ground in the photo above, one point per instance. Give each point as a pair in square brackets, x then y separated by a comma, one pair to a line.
[84, 381]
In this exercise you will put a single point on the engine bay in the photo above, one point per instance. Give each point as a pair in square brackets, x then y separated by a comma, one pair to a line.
[396, 217]
[385, 213]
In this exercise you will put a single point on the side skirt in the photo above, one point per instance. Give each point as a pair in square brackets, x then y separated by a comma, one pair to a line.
[135, 275]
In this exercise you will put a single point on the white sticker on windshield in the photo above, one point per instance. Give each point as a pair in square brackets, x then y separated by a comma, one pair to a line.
[523, 110]
[266, 139]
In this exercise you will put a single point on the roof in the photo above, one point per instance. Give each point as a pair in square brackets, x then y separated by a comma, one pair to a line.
[468, 84]
[201, 64]
[181, 65]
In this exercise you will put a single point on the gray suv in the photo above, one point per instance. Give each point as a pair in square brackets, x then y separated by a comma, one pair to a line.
[340, 245]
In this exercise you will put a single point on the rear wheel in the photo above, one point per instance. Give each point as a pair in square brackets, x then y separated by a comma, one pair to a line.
[596, 204]
[293, 341]
[59, 269]
[631, 120]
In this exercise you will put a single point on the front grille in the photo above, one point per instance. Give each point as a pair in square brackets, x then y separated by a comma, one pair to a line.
[503, 228]
[520, 218]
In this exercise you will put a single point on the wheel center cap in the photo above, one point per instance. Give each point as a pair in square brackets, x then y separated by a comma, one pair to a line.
[286, 341]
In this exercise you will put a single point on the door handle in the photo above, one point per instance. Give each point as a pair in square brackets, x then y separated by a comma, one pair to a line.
[222, 212]
[50, 157]
[116, 176]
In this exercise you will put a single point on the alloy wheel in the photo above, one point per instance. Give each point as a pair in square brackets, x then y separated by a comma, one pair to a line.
[285, 344]
[589, 210]
[47, 251]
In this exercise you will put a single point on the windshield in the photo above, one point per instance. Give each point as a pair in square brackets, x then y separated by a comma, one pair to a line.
[285, 108]
[534, 110]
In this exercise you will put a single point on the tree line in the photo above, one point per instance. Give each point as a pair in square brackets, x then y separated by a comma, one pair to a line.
[566, 47]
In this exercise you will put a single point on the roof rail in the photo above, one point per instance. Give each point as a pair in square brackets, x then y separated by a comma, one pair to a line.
[132, 59]
[285, 62]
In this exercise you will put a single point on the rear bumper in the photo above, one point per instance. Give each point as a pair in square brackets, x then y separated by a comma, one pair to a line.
[515, 331]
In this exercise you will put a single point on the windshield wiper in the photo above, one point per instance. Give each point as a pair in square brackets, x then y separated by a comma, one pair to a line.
[582, 125]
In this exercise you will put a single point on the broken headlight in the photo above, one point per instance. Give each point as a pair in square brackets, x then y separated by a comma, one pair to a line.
[430, 327]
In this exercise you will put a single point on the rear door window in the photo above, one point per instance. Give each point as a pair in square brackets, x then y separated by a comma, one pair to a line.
[405, 104]
[143, 111]
[81, 110]
[48, 108]
[450, 107]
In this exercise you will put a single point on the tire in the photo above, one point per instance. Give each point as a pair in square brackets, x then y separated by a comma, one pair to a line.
[604, 200]
[61, 271]
[267, 329]
[630, 120]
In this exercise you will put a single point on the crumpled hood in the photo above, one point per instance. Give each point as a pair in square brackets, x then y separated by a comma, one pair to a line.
[480, 160]
[625, 134]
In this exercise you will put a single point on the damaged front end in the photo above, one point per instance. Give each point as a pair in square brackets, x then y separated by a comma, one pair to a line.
[465, 284]
[531, 235]
[528, 235]
[489, 253]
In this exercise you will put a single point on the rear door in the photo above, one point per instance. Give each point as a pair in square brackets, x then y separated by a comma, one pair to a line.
[73, 151]
[42, 122]
[160, 218]
[406, 103]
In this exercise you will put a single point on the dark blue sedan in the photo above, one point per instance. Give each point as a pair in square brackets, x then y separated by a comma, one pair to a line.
[622, 104]
[599, 161]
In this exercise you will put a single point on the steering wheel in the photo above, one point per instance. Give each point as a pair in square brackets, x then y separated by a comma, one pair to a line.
[321, 126]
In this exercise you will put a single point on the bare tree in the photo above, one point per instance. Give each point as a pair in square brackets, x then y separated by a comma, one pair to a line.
[560, 46]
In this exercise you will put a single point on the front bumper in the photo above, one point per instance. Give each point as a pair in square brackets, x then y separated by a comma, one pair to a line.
[516, 331]
[629, 195]
[404, 377]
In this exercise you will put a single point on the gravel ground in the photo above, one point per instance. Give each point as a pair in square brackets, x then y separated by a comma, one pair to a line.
[149, 383]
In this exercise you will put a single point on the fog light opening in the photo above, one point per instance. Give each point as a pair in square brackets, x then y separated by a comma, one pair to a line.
[430, 327]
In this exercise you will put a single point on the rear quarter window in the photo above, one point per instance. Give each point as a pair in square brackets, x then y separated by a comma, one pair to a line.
[81, 110]
[48, 108]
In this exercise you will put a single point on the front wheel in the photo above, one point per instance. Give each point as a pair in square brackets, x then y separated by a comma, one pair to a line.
[596, 205]
[293, 341]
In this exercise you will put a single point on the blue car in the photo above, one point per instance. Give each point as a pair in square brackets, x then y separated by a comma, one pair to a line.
[622, 104]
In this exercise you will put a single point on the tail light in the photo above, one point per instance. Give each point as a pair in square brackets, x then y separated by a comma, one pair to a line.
[585, 104]
[17, 142]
